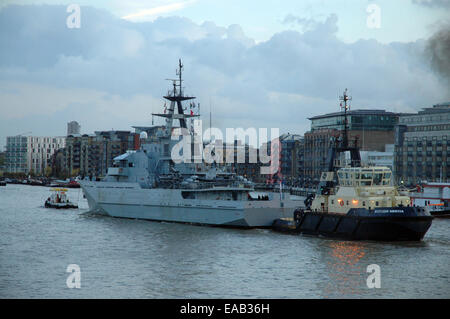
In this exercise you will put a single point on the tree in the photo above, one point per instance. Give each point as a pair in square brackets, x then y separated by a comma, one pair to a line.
[63, 174]
[48, 171]
[75, 172]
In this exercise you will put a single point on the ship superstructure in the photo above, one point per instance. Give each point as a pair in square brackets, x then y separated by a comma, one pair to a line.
[149, 184]
[354, 185]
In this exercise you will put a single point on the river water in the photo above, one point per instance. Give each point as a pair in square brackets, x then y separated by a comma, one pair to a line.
[123, 258]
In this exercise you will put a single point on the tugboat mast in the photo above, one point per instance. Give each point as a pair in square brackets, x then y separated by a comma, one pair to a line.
[345, 98]
[355, 157]
[328, 178]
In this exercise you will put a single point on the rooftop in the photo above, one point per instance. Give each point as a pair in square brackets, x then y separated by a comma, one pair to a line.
[355, 112]
[437, 108]
[292, 137]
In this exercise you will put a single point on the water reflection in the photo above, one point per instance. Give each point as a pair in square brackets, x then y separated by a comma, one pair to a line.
[345, 270]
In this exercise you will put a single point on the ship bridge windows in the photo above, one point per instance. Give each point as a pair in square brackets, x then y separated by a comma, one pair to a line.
[377, 178]
[122, 163]
[386, 178]
[364, 177]
[257, 196]
[346, 177]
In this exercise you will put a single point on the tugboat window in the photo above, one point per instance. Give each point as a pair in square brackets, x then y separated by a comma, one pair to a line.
[377, 179]
[366, 175]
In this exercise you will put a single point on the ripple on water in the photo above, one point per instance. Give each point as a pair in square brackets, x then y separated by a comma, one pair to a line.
[143, 259]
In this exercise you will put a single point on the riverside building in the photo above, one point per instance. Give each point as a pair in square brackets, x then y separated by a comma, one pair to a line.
[31, 154]
[93, 154]
[422, 149]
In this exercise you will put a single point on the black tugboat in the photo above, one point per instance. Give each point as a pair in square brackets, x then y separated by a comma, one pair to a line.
[357, 202]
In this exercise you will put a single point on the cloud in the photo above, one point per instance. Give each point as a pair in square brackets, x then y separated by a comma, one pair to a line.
[433, 3]
[158, 10]
[306, 23]
[110, 72]
[45, 110]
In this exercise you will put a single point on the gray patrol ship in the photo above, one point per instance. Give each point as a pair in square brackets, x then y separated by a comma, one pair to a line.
[148, 184]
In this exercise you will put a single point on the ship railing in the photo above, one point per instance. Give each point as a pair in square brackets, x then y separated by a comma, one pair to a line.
[203, 185]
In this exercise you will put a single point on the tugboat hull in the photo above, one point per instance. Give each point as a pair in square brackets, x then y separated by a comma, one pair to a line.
[394, 224]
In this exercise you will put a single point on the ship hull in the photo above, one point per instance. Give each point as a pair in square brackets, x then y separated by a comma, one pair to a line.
[59, 206]
[130, 201]
[409, 226]
[440, 213]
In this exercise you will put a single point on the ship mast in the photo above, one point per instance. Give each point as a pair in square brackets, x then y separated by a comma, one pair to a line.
[328, 178]
[345, 106]
[176, 98]
[344, 145]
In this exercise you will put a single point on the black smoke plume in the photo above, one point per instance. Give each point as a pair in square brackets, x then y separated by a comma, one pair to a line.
[438, 51]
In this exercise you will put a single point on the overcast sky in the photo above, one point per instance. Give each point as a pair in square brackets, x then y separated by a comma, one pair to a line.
[255, 63]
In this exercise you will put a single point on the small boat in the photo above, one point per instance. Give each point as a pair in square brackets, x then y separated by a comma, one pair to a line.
[435, 197]
[73, 184]
[59, 199]
[357, 202]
